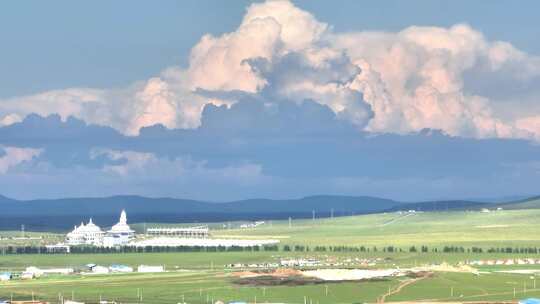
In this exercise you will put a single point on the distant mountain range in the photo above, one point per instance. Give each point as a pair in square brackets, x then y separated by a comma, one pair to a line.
[64, 213]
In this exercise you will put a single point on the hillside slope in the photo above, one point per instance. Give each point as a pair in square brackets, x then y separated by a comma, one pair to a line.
[64, 213]
[143, 205]
[528, 203]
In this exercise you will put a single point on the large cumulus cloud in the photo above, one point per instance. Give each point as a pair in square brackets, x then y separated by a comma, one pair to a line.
[452, 79]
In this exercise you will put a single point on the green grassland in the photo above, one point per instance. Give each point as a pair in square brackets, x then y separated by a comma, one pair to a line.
[201, 276]
[497, 228]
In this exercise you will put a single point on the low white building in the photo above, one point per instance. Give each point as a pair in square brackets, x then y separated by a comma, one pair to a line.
[39, 272]
[185, 232]
[120, 268]
[100, 269]
[147, 268]
[58, 248]
[28, 275]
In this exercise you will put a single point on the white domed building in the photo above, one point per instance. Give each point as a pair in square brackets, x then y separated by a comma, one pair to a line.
[89, 234]
[119, 234]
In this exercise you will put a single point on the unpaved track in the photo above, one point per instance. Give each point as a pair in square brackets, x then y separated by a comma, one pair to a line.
[401, 286]
[400, 217]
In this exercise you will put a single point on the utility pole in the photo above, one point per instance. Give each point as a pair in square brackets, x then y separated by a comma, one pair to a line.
[332, 213]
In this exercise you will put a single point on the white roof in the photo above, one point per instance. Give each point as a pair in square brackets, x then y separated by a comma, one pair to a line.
[122, 225]
[90, 227]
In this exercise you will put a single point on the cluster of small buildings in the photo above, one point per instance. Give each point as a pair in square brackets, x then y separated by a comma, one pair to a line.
[523, 261]
[119, 268]
[486, 210]
[252, 225]
[329, 262]
[309, 263]
[35, 272]
[91, 234]
[121, 234]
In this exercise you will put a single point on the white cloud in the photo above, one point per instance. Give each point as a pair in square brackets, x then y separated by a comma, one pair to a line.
[10, 119]
[13, 156]
[414, 79]
[383, 82]
[142, 166]
[63, 102]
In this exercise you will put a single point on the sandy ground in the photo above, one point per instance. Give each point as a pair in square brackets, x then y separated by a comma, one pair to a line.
[350, 274]
[446, 268]
[492, 226]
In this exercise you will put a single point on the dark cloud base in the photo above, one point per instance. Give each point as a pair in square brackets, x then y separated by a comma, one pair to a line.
[300, 149]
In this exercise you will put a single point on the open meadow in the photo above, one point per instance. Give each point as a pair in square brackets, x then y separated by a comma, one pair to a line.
[200, 277]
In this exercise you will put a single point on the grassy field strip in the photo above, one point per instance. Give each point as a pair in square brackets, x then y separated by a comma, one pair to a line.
[251, 236]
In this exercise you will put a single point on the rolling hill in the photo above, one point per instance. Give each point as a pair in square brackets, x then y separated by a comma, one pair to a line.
[528, 203]
[143, 205]
[43, 214]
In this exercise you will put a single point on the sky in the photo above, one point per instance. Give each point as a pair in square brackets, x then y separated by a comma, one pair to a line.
[225, 100]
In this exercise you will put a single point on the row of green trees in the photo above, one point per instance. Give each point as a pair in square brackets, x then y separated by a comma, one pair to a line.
[275, 248]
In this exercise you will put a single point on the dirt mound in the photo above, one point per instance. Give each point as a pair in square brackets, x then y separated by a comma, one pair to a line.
[268, 280]
[245, 274]
[285, 272]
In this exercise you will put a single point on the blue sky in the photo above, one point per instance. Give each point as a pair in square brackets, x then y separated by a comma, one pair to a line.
[53, 45]
[222, 100]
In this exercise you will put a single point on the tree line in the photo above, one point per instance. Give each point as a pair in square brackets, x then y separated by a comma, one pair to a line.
[274, 248]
